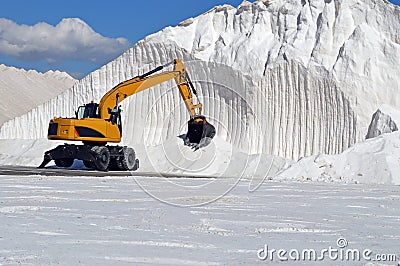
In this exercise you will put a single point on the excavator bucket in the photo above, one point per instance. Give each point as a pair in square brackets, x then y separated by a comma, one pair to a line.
[200, 132]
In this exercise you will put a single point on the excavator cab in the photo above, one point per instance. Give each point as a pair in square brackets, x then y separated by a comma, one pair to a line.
[87, 111]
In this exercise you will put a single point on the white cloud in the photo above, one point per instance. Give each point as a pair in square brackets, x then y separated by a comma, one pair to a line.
[71, 39]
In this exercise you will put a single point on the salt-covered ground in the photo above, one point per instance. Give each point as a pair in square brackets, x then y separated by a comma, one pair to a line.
[180, 221]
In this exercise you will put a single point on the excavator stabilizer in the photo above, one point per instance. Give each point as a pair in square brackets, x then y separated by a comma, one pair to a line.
[200, 132]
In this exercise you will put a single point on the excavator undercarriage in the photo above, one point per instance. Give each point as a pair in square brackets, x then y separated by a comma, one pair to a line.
[114, 158]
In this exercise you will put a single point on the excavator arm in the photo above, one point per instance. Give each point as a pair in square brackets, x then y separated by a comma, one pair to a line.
[140, 83]
[200, 132]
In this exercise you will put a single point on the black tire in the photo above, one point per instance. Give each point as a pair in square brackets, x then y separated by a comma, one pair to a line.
[64, 162]
[127, 161]
[136, 165]
[102, 155]
[88, 164]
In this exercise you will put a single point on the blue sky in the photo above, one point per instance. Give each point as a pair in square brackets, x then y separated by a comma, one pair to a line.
[128, 19]
[54, 43]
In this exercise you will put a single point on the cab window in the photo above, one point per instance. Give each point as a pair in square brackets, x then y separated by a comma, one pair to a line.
[87, 111]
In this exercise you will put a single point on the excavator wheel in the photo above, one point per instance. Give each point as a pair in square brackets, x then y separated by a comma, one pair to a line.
[102, 155]
[128, 160]
[64, 162]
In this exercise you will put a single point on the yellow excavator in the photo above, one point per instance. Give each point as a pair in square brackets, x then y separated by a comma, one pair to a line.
[97, 124]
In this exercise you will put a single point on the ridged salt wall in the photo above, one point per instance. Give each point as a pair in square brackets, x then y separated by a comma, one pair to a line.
[289, 112]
